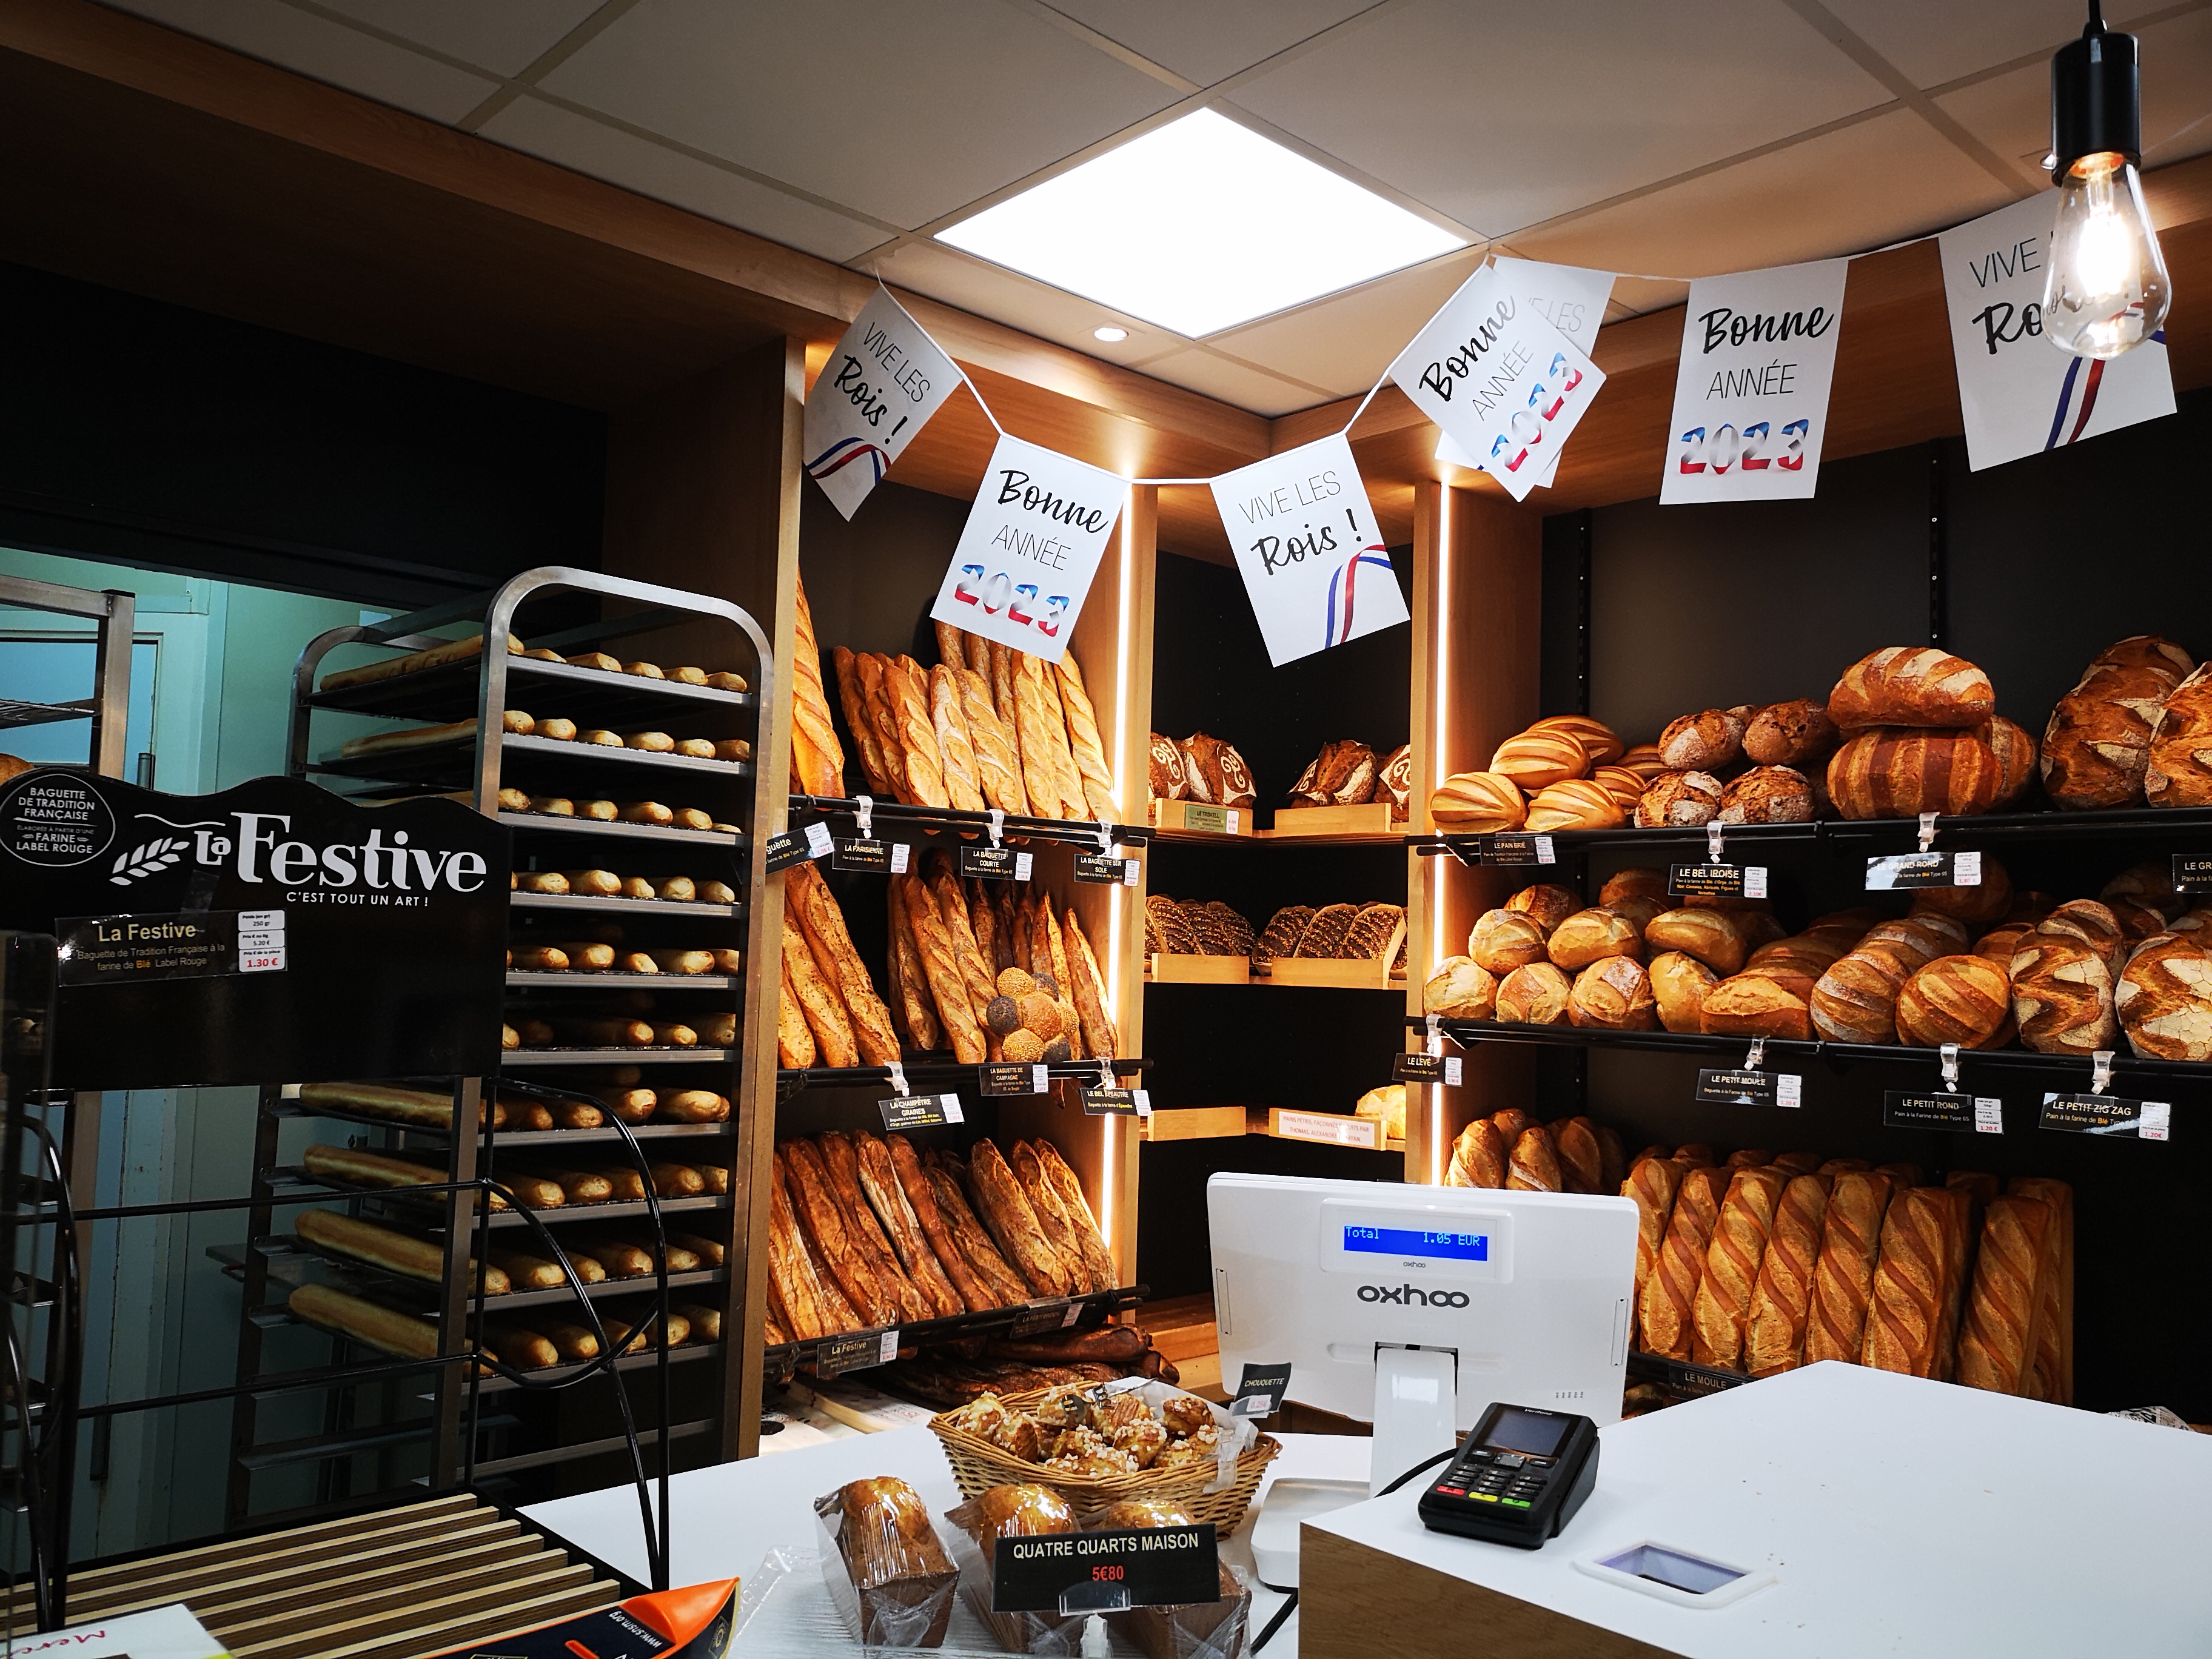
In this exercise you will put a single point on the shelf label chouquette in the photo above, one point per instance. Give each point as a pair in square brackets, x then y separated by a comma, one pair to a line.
[1506, 386]
[1751, 392]
[1313, 560]
[882, 382]
[1032, 542]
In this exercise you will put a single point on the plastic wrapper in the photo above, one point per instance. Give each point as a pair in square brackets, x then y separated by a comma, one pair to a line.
[1190, 1630]
[1015, 1511]
[885, 1565]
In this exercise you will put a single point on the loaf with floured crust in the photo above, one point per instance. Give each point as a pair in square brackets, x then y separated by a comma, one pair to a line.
[1535, 995]
[1013, 1224]
[913, 1008]
[1680, 983]
[813, 1304]
[975, 1292]
[1843, 1275]
[1781, 1302]
[385, 1246]
[1085, 745]
[2051, 1371]
[2163, 997]
[1478, 1157]
[1041, 733]
[1664, 1309]
[955, 749]
[2096, 750]
[830, 1033]
[1052, 1220]
[868, 742]
[1534, 1165]
[1855, 999]
[1101, 1040]
[998, 768]
[1964, 1000]
[807, 898]
[1904, 1306]
[2062, 994]
[907, 685]
[894, 1210]
[1097, 1257]
[1733, 1254]
[840, 1163]
[1998, 1338]
[1652, 1183]
[1911, 685]
[945, 1178]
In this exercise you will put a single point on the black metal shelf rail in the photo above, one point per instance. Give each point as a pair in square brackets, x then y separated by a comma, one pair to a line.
[933, 822]
[944, 1073]
[1872, 835]
[1023, 1319]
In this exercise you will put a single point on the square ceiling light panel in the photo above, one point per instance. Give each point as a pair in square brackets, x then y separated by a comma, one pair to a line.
[1197, 226]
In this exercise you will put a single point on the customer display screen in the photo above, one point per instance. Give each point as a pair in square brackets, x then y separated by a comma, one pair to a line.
[1527, 1432]
[1408, 1241]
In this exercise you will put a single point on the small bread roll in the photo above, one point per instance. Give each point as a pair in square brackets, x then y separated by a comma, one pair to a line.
[1710, 936]
[645, 811]
[636, 887]
[727, 961]
[683, 962]
[687, 675]
[513, 800]
[715, 892]
[685, 818]
[598, 659]
[599, 812]
[551, 807]
[1768, 794]
[540, 881]
[1791, 733]
[677, 1181]
[1548, 902]
[1535, 994]
[561, 731]
[542, 959]
[599, 737]
[675, 887]
[1678, 984]
[728, 682]
[644, 670]
[1502, 940]
[652, 743]
[696, 748]
[515, 721]
[586, 954]
[537, 1034]
[1588, 935]
[694, 1106]
[733, 749]
[674, 1035]
[509, 1037]
[594, 883]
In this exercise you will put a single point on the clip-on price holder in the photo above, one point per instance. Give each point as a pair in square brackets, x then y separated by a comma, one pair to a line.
[1902, 1109]
[1519, 1477]
[908, 1111]
[1430, 1066]
[864, 851]
[1103, 867]
[1715, 877]
[1750, 1085]
[1897, 872]
[1108, 1099]
[2101, 1113]
[998, 861]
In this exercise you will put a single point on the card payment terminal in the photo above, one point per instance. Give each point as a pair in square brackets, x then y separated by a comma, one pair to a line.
[1519, 1477]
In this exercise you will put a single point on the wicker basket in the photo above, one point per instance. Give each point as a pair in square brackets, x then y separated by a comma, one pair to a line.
[978, 1466]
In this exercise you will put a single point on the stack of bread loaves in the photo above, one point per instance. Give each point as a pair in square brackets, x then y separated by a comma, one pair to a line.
[1192, 928]
[1565, 772]
[2096, 750]
[1344, 933]
[1207, 769]
[1347, 773]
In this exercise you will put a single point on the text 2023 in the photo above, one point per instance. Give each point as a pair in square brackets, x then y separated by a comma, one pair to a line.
[1543, 406]
[1727, 447]
[1000, 591]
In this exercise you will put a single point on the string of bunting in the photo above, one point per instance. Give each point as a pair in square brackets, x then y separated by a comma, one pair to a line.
[1503, 370]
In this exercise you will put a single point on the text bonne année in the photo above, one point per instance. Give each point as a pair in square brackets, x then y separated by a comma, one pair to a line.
[1724, 325]
[1441, 376]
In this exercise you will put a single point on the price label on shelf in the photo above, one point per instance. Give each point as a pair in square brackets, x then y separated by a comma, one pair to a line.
[1896, 871]
[1008, 1079]
[890, 856]
[1428, 1069]
[797, 847]
[995, 863]
[1968, 1114]
[1717, 880]
[1110, 1103]
[1722, 1085]
[858, 1352]
[2103, 1115]
[2192, 874]
[1107, 868]
[1518, 847]
[920, 1111]
[1046, 1316]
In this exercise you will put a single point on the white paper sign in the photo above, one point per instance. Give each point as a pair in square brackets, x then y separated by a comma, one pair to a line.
[1501, 381]
[1031, 545]
[1751, 394]
[2020, 393]
[879, 387]
[1573, 300]
[1313, 563]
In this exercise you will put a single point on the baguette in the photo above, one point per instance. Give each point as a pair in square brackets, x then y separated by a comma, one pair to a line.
[2051, 1375]
[1088, 752]
[378, 1326]
[1101, 1041]
[1000, 675]
[1013, 1223]
[1040, 673]
[822, 1219]
[1007, 1286]
[384, 1247]
[378, 1100]
[907, 689]
[794, 1282]
[1722, 1303]
[683, 962]
[1040, 730]
[955, 747]
[574, 1343]
[1997, 1343]
[620, 1259]
[630, 1105]
[360, 1169]
[598, 659]
[998, 770]
[518, 1348]
[1781, 1304]
[824, 1013]
[842, 1161]
[433, 656]
[531, 1273]
[1904, 1306]
[1052, 1217]
[823, 925]
[866, 739]
[650, 813]
[941, 969]
[879, 1183]
[1670, 1295]
[1097, 1257]
[973, 1289]
[818, 760]
[694, 1106]
[952, 910]
[420, 737]
[795, 1037]
[871, 667]
[911, 1005]
[1652, 1183]
[951, 643]
[597, 883]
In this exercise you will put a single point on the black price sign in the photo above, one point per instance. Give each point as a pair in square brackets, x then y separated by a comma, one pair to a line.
[1965, 1115]
[2102, 1115]
[1717, 880]
[995, 863]
[797, 847]
[1722, 1086]
[2191, 874]
[1263, 1387]
[1111, 1103]
[1008, 1079]
[132, 950]
[890, 856]
[1515, 848]
[920, 1111]
[1101, 1571]
[1428, 1068]
[858, 1352]
[1896, 871]
[1042, 1317]
[1107, 868]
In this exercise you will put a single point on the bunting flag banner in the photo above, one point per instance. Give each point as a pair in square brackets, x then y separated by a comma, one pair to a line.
[1573, 300]
[882, 381]
[1751, 393]
[2019, 394]
[1313, 560]
[1030, 546]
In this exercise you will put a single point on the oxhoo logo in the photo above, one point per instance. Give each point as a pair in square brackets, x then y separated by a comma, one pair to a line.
[1412, 1296]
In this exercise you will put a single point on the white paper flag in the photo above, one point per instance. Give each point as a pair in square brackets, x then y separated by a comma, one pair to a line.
[1506, 386]
[1029, 550]
[1306, 542]
[1573, 300]
[2020, 393]
[1751, 393]
[879, 387]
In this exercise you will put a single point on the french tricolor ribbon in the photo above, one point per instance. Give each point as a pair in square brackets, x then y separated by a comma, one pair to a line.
[1345, 581]
[842, 454]
[2086, 386]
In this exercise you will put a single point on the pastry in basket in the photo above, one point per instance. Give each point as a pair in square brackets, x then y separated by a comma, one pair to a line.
[1186, 1414]
[989, 1419]
[1141, 1441]
[1085, 1451]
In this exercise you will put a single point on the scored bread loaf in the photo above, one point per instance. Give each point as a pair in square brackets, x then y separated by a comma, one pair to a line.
[1460, 989]
[1478, 803]
[1905, 1304]
[2018, 758]
[1757, 1004]
[1537, 759]
[2096, 750]
[1964, 1000]
[1767, 794]
[1997, 1339]
[1711, 935]
[1855, 999]
[2062, 994]
[1480, 1156]
[818, 759]
[1084, 742]
[1599, 741]
[1679, 799]
[1680, 983]
[2051, 1371]
[1533, 1164]
[1576, 804]
[1614, 993]
[1790, 733]
[1898, 772]
[1535, 994]
[1548, 902]
[955, 747]
[1781, 1302]
[1168, 772]
[1502, 940]
[1588, 936]
[2164, 998]
[1843, 1275]
[1580, 1158]
[810, 904]
[1706, 742]
[2178, 763]
[1652, 1183]
[1669, 1294]
[1626, 788]
[1911, 685]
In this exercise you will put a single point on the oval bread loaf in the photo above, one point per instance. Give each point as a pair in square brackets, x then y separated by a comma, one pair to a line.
[1911, 685]
[1757, 1004]
[2164, 999]
[1790, 733]
[1624, 786]
[1588, 935]
[1578, 804]
[1478, 804]
[2178, 766]
[1961, 999]
[1599, 741]
[1704, 742]
[1478, 1157]
[1548, 902]
[1855, 1000]
[1643, 759]
[2062, 994]
[1640, 880]
[1502, 940]
[1614, 993]
[1460, 989]
[1535, 994]
[1534, 1166]
[1678, 801]
[1710, 936]
[2096, 750]
[1767, 794]
[1679, 984]
[1536, 760]
[1894, 772]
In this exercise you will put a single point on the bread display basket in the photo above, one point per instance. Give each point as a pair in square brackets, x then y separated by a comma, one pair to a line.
[978, 1465]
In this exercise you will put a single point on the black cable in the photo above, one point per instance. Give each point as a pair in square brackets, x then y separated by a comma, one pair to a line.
[1289, 1605]
[1426, 1463]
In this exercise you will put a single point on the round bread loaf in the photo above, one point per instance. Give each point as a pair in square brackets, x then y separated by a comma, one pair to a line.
[1678, 984]
[1578, 804]
[1598, 740]
[1855, 1000]
[1590, 935]
[1754, 1005]
[1678, 801]
[1911, 685]
[1502, 940]
[1982, 903]
[2016, 759]
[2146, 651]
[1643, 759]
[1535, 760]
[1999, 943]
[1614, 993]
[1768, 794]
[2177, 767]
[2146, 884]
[1704, 742]
[1534, 1166]
[1460, 989]
[1643, 881]
[1790, 733]
[2164, 998]
[1895, 772]
[1710, 936]
[1477, 804]
[1957, 999]
[2093, 924]
[1548, 902]
[1639, 910]
[1757, 927]
[2097, 747]
[1624, 785]
[2061, 995]
[1535, 994]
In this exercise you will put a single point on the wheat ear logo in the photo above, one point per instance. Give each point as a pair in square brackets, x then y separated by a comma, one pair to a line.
[151, 858]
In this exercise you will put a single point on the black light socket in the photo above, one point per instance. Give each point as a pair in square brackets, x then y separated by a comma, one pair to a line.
[2096, 98]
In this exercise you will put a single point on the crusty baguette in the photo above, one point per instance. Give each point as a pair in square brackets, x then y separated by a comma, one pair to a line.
[385, 1246]
[519, 1348]
[952, 910]
[1997, 1342]
[1671, 1293]
[794, 1282]
[432, 657]
[824, 1010]
[694, 1106]
[405, 1334]
[529, 1272]
[941, 969]
[2051, 1377]
[1088, 992]
[794, 1036]
[1040, 730]
[1052, 1217]
[842, 1161]
[420, 737]
[1781, 1304]
[907, 689]
[912, 1005]
[872, 669]
[955, 749]
[1904, 1309]
[974, 1289]
[822, 1220]
[355, 1168]
[1007, 1286]
[997, 768]
[866, 738]
[1055, 945]
[1012, 1222]
[894, 1210]
[574, 1343]
[818, 760]
[379, 1100]
[823, 925]
[1097, 1257]
[1084, 742]
[1652, 1183]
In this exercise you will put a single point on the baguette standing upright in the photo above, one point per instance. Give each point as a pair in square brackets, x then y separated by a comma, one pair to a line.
[998, 771]
[976, 1291]
[1083, 740]
[1723, 1305]
[818, 759]
[955, 747]
[1671, 1293]
[894, 1209]
[1774, 1337]
[866, 738]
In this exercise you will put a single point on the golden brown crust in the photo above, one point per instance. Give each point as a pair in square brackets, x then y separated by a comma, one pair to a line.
[941, 969]
[906, 689]
[955, 748]
[842, 1161]
[1911, 685]
[831, 1040]
[797, 1286]
[1997, 1341]
[1006, 1212]
[1652, 1183]
[1534, 1165]
[1478, 1157]
[912, 1005]
[821, 1218]
[365, 1321]
[824, 924]
[1096, 1257]
[1007, 1286]
[866, 738]
[1670, 1293]
[1722, 1303]
[975, 1291]
[886, 1197]
[1088, 752]
[1101, 1041]
[818, 759]
[1040, 732]
[1898, 772]
[1904, 1309]
[1052, 1221]
[998, 769]
[952, 910]
[1774, 1337]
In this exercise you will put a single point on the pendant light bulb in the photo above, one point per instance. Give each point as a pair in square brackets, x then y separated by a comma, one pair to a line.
[2104, 288]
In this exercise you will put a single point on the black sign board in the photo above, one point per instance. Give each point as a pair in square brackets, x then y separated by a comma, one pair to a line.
[858, 1352]
[920, 1111]
[1265, 1387]
[1961, 1113]
[1046, 1316]
[384, 958]
[1107, 867]
[887, 856]
[1717, 880]
[2102, 1115]
[1140, 1567]
[1110, 1103]
[1005, 1077]
[797, 847]
[1724, 1086]
[1517, 847]
[995, 863]
[1895, 871]
[2191, 873]
[1428, 1068]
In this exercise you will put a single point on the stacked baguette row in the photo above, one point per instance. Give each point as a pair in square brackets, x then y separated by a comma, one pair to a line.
[866, 1232]
[1509, 1149]
[829, 1013]
[1764, 1263]
[652, 813]
[437, 656]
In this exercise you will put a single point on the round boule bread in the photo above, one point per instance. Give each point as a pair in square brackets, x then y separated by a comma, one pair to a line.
[1855, 1000]
[1643, 759]
[2061, 995]
[2177, 767]
[1678, 984]
[1535, 760]
[2146, 651]
[1535, 994]
[1767, 794]
[1578, 804]
[1911, 685]
[1704, 742]
[1644, 880]
[1898, 772]
[1548, 902]
[1460, 989]
[1790, 733]
[2164, 998]
[2096, 750]
[1623, 784]
[2093, 924]
[1959, 999]
[1754, 1004]
[1477, 804]
[1710, 936]
[2147, 883]
[1614, 994]
[1502, 940]
[1599, 741]
[1677, 800]
[1982, 903]
[1590, 935]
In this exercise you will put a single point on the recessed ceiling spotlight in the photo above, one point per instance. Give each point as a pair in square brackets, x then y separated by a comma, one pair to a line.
[1111, 335]
[1198, 226]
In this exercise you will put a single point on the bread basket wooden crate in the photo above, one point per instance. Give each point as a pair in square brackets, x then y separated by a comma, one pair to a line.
[978, 1466]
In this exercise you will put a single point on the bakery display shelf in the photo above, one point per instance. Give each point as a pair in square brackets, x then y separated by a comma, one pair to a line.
[924, 1070]
[1080, 833]
[544, 823]
[1048, 1314]
[524, 762]
[612, 1056]
[13, 712]
[448, 692]
[682, 1352]
[525, 979]
[288, 1255]
[2181, 824]
[1679, 1378]
[1436, 844]
[431, 1207]
[634, 907]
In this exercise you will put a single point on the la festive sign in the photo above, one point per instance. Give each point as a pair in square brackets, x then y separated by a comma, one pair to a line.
[1307, 547]
[879, 388]
[1751, 394]
[1029, 550]
[2021, 394]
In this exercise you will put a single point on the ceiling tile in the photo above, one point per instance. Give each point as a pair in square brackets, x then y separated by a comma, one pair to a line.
[325, 51]
[576, 141]
[503, 36]
[1934, 44]
[1196, 369]
[904, 113]
[2011, 113]
[1863, 187]
[1503, 116]
[1211, 42]
[1344, 342]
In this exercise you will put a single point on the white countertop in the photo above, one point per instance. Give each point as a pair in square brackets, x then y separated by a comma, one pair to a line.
[1900, 1517]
